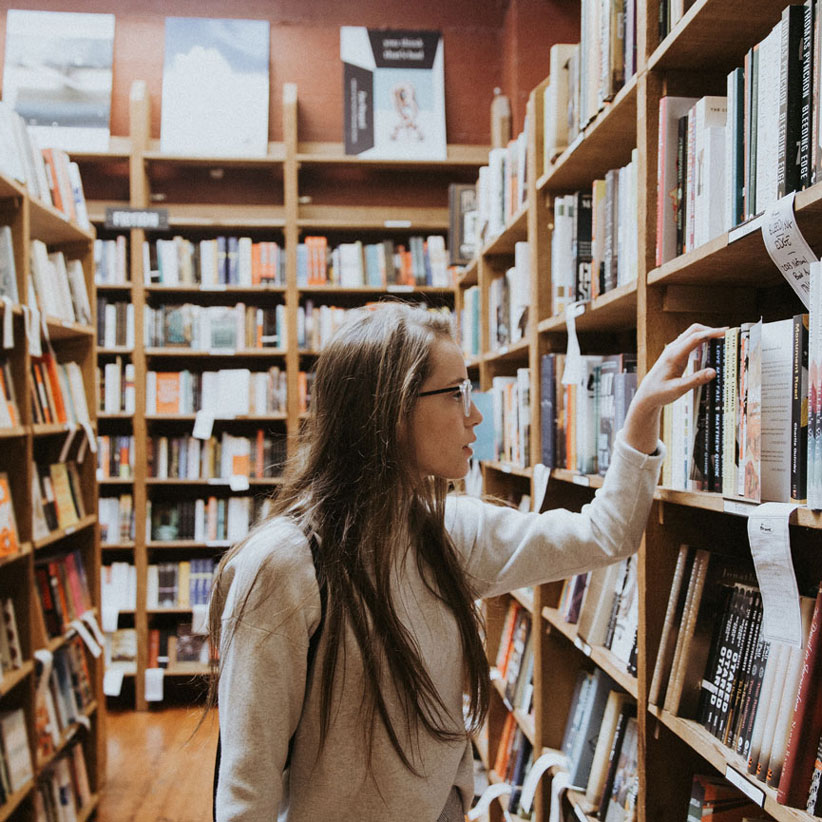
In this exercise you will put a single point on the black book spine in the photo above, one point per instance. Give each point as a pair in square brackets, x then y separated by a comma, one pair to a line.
[790, 99]
[754, 655]
[806, 107]
[752, 703]
[681, 172]
[743, 672]
[718, 409]
[583, 214]
[732, 658]
[710, 698]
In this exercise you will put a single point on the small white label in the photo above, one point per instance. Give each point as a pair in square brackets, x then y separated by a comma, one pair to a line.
[203, 425]
[502, 350]
[505, 468]
[397, 223]
[577, 142]
[70, 530]
[745, 229]
[217, 481]
[238, 482]
[113, 681]
[213, 287]
[582, 645]
[400, 289]
[154, 685]
[222, 352]
[753, 793]
[581, 479]
[738, 507]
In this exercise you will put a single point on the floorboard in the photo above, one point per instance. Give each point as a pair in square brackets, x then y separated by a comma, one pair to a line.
[158, 772]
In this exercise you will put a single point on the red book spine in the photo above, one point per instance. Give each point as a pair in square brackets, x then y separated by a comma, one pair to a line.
[807, 716]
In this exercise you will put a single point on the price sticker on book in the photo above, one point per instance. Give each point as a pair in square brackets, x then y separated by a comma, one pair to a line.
[786, 246]
[770, 539]
[755, 794]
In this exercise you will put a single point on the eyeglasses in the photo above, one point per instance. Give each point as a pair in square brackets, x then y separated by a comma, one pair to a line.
[464, 388]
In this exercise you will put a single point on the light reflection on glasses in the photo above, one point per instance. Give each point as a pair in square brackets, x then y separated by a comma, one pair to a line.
[464, 388]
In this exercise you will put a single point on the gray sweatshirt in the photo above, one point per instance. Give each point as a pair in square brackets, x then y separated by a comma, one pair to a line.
[263, 696]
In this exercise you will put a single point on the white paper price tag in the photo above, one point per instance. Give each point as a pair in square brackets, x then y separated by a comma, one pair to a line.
[199, 619]
[787, 247]
[91, 643]
[110, 616]
[573, 373]
[549, 759]
[770, 540]
[90, 620]
[750, 790]
[113, 681]
[542, 473]
[203, 425]
[154, 684]
[8, 323]
[238, 482]
[559, 783]
[491, 793]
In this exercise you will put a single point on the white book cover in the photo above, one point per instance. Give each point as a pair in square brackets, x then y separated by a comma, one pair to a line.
[556, 102]
[58, 76]
[233, 392]
[710, 184]
[777, 379]
[16, 748]
[215, 87]
[238, 517]
[393, 93]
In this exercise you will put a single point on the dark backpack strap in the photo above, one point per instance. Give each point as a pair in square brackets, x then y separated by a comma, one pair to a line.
[313, 644]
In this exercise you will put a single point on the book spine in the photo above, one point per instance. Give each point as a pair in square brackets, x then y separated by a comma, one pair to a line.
[799, 410]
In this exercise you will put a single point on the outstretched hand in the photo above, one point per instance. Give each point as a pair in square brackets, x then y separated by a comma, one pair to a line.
[665, 383]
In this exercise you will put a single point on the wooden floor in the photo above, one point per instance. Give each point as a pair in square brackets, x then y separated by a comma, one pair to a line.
[156, 772]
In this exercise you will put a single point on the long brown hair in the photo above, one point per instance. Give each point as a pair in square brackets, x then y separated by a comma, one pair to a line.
[354, 487]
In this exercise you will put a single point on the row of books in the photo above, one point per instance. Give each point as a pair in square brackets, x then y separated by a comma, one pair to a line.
[11, 652]
[179, 584]
[514, 757]
[604, 605]
[9, 287]
[211, 519]
[712, 797]
[59, 285]
[16, 769]
[469, 322]
[422, 262]
[62, 792]
[120, 650]
[116, 518]
[594, 243]
[501, 189]
[115, 456]
[115, 323]
[215, 327]
[511, 406]
[760, 698]
[514, 663]
[580, 419]
[48, 174]
[585, 76]
[111, 265]
[9, 410]
[600, 746]
[57, 497]
[62, 591]
[64, 694]
[57, 391]
[224, 260]
[118, 587]
[177, 649]
[189, 458]
[227, 393]
[509, 297]
[746, 434]
[116, 387]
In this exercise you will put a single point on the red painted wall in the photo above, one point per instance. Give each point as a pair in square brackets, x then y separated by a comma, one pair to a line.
[488, 43]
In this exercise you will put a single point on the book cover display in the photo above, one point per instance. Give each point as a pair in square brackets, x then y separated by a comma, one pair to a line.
[57, 76]
[393, 93]
[215, 87]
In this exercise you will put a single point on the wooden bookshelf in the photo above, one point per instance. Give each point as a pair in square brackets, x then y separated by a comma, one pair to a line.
[280, 211]
[20, 448]
[725, 281]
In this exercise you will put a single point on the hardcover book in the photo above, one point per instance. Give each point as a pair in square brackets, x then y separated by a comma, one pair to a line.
[393, 93]
[9, 542]
[215, 87]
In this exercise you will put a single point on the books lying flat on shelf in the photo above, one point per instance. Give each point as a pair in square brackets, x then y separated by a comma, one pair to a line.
[215, 87]
[58, 75]
[393, 93]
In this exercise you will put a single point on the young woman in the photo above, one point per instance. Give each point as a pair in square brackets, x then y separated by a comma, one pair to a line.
[346, 622]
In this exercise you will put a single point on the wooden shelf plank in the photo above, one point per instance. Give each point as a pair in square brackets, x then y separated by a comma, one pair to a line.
[515, 231]
[372, 218]
[275, 156]
[605, 143]
[614, 310]
[318, 153]
[715, 35]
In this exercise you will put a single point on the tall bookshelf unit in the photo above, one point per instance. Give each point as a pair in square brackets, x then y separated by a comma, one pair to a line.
[724, 282]
[30, 219]
[297, 189]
